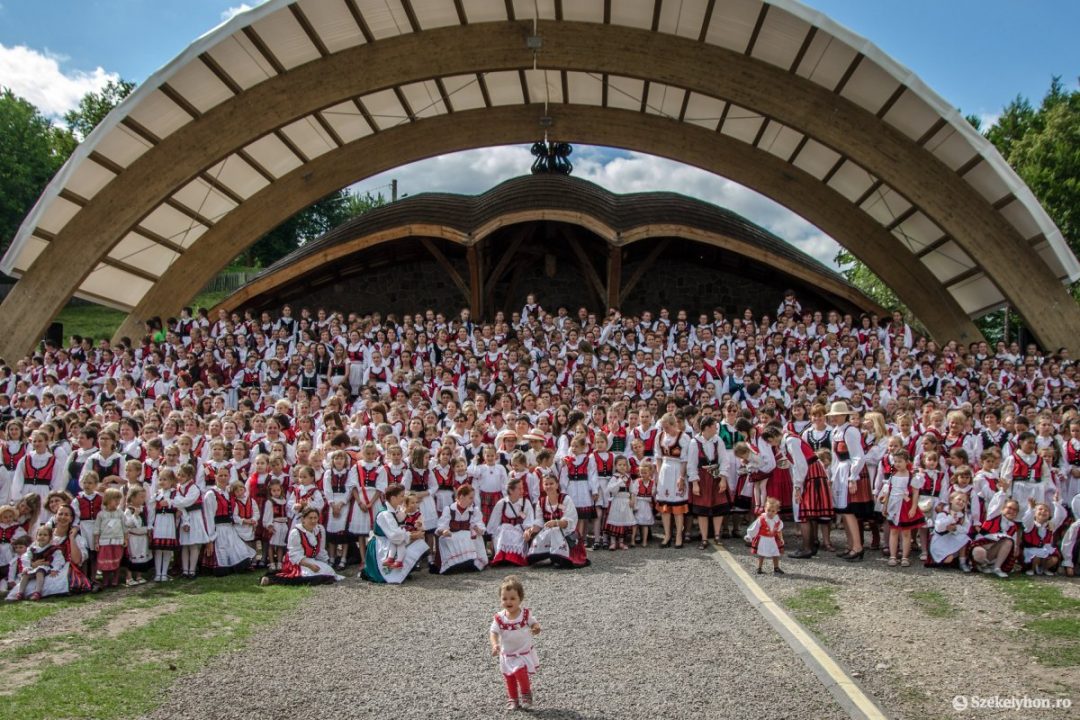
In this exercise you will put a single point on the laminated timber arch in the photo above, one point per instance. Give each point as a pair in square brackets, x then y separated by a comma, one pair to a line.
[278, 95]
[619, 221]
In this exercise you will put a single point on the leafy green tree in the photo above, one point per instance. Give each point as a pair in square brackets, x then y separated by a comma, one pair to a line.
[306, 225]
[95, 106]
[31, 151]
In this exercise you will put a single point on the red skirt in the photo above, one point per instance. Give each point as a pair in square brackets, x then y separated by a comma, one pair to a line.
[109, 556]
[816, 501]
[779, 486]
[487, 503]
[77, 581]
[712, 501]
[906, 521]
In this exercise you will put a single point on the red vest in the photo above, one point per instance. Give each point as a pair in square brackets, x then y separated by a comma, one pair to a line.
[1027, 473]
[89, 507]
[11, 460]
[38, 476]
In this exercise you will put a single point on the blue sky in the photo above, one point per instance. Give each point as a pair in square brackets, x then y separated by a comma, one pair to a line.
[978, 54]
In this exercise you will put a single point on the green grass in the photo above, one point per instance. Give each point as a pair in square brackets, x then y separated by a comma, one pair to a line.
[18, 615]
[126, 675]
[1055, 634]
[98, 322]
[933, 603]
[814, 604]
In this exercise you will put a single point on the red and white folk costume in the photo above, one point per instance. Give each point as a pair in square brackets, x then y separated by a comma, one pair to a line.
[560, 545]
[507, 524]
[945, 542]
[1030, 476]
[37, 473]
[464, 548]
[998, 527]
[189, 501]
[578, 479]
[517, 655]
[367, 488]
[708, 464]
[336, 488]
[1038, 538]
[306, 547]
[765, 536]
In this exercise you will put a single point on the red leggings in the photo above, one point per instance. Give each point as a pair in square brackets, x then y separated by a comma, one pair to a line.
[518, 680]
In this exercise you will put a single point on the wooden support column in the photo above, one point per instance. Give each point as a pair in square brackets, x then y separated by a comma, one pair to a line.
[574, 239]
[446, 265]
[645, 267]
[614, 275]
[476, 283]
[520, 235]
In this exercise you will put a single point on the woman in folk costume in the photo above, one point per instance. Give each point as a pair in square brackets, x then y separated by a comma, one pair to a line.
[1071, 465]
[13, 448]
[461, 535]
[556, 537]
[850, 482]
[225, 552]
[707, 468]
[997, 544]
[306, 561]
[671, 450]
[766, 536]
[394, 550]
[68, 544]
[38, 472]
[1028, 473]
[366, 493]
[779, 483]
[952, 534]
[875, 446]
[1040, 522]
[578, 479]
[511, 526]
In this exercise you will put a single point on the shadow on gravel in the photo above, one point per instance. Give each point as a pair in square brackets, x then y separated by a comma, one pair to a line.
[559, 714]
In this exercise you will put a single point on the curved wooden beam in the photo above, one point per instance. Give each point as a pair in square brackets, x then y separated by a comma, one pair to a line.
[718, 153]
[913, 171]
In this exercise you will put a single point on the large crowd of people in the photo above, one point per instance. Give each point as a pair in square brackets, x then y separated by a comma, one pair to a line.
[303, 443]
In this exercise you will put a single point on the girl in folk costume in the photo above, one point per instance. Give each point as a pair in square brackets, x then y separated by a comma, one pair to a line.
[530, 480]
[707, 468]
[850, 482]
[422, 486]
[138, 519]
[14, 567]
[1028, 474]
[766, 536]
[511, 526]
[461, 535]
[225, 552]
[1070, 542]
[754, 464]
[366, 494]
[1040, 522]
[779, 483]
[642, 494]
[217, 465]
[245, 512]
[9, 530]
[87, 446]
[337, 484]
[1070, 486]
[164, 537]
[106, 461]
[900, 498]
[577, 478]
[489, 479]
[442, 472]
[306, 561]
[934, 488]
[87, 506]
[241, 461]
[304, 493]
[511, 636]
[556, 521]
[620, 520]
[396, 547]
[997, 544]
[12, 450]
[672, 489]
[39, 472]
[275, 521]
[952, 534]
[605, 467]
[110, 538]
[194, 525]
[355, 354]
[40, 562]
[962, 482]
[957, 436]
[257, 490]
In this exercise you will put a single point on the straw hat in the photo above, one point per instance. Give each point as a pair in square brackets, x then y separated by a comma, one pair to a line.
[838, 408]
[532, 436]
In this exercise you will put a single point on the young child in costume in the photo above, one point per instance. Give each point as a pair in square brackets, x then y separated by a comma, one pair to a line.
[766, 537]
[512, 631]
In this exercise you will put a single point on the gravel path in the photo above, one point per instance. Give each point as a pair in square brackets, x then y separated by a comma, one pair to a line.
[914, 663]
[640, 634]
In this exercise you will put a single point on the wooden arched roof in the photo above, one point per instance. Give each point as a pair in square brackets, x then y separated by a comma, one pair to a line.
[619, 219]
[296, 98]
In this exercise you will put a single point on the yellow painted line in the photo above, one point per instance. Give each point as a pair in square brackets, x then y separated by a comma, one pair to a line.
[843, 687]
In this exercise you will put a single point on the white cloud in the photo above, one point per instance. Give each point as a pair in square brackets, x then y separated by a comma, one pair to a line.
[38, 77]
[229, 13]
[474, 171]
